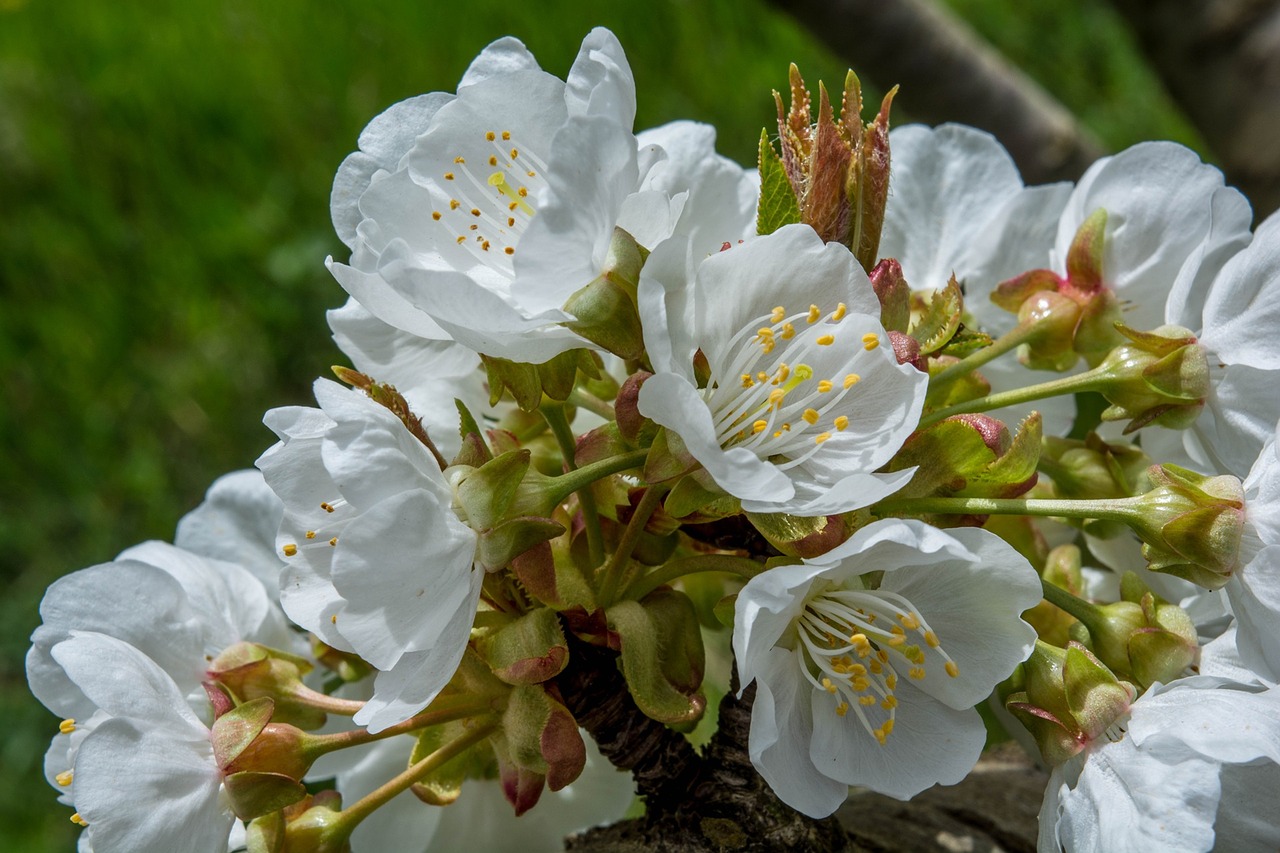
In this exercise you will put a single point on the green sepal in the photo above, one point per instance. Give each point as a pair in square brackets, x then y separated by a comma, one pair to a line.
[1094, 695]
[668, 458]
[527, 383]
[965, 342]
[253, 794]
[234, 731]
[605, 310]
[1056, 741]
[251, 671]
[542, 737]
[1013, 468]
[474, 452]
[486, 492]
[689, 496]
[800, 536]
[443, 785]
[528, 650]
[499, 545]
[661, 652]
[777, 206]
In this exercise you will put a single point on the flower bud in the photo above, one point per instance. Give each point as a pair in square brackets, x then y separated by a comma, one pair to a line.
[252, 671]
[1191, 524]
[605, 310]
[311, 825]
[1159, 377]
[262, 762]
[1094, 469]
[970, 455]
[894, 294]
[1068, 698]
[635, 428]
[541, 737]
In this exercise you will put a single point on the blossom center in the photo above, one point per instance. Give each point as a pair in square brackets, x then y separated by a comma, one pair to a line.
[491, 189]
[850, 642]
[765, 396]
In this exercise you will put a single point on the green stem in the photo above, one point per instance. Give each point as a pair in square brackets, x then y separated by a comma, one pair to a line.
[349, 818]
[591, 403]
[443, 710]
[1063, 600]
[740, 566]
[578, 479]
[1120, 509]
[324, 702]
[1092, 380]
[617, 565]
[560, 428]
[973, 361]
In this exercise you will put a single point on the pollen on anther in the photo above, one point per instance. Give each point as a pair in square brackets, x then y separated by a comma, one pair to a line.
[522, 192]
[493, 161]
[821, 438]
[778, 314]
[311, 534]
[839, 313]
[828, 686]
[814, 314]
[474, 228]
[511, 220]
[64, 778]
[506, 136]
[842, 709]
[460, 240]
[454, 204]
[333, 541]
[953, 669]
[290, 549]
[916, 672]
[891, 681]
[788, 331]
[475, 211]
[531, 173]
[759, 426]
[67, 726]
[79, 821]
[513, 205]
[851, 380]
[515, 152]
[810, 416]
[841, 423]
[870, 341]
[776, 396]
[866, 701]
[326, 506]
[490, 136]
[824, 385]
[747, 381]
[826, 340]
[435, 214]
[889, 703]
[448, 176]
[509, 250]
[931, 638]
[784, 372]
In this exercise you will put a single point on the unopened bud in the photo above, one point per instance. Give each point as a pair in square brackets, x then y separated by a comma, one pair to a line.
[894, 294]
[1159, 377]
[605, 310]
[252, 671]
[1191, 525]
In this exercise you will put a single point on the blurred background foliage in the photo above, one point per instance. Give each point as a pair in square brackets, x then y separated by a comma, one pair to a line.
[164, 177]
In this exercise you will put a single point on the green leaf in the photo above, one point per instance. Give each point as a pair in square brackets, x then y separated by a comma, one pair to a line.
[646, 644]
[778, 205]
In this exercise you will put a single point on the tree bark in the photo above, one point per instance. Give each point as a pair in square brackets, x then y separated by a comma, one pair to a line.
[1220, 60]
[948, 73]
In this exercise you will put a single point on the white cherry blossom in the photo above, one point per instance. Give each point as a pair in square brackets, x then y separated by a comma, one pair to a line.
[805, 398]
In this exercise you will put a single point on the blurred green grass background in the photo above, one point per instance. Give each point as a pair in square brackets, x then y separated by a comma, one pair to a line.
[164, 178]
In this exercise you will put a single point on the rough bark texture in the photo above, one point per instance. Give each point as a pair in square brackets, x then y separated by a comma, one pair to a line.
[948, 73]
[1220, 60]
[693, 803]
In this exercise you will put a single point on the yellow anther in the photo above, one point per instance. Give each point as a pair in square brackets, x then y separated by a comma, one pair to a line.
[824, 385]
[531, 173]
[474, 227]
[889, 703]
[333, 541]
[64, 778]
[828, 686]
[460, 240]
[326, 506]
[842, 709]
[888, 727]
[515, 152]
[498, 180]
[67, 726]
[840, 311]
[490, 136]
[866, 701]
[506, 136]
[778, 314]
[759, 426]
[493, 161]
[311, 534]
[881, 735]
[841, 423]
[509, 250]
[891, 681]
[475, 211]
[778, 434]
[818, 439]
[916, 672]
[290, 549]
[776, 396]
[788, 331]
[762, 376]
[448, 176]
[910, 621]
[814, 314]
[826, 340]
[79, 821]
[877, 666]
[767, 346]
[764, 333]
[857, 669]
[851, 379]
[931, 638]
[460, 160]
[485, 245]
[334, 618]
[953, 669]
[870, 341]
[511, 220]
[810, 416]
[435, 214]
[513, 205]
[522, 192]
[454, 204]
[882, 656]
[747, 381]
[784, 372]
[861, 684]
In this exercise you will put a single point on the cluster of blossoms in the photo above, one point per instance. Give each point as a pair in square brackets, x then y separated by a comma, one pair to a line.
[615, 398]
